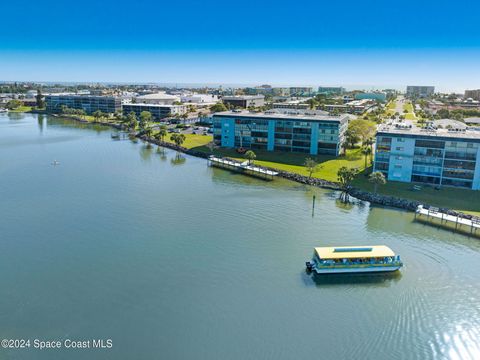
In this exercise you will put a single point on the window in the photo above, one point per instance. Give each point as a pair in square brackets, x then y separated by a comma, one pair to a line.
[397, 166]
[398, 157]
[399, 148]
[400, 140]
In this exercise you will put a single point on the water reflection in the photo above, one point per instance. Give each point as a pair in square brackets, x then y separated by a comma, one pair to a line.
[178, 159]
[42, 122]
[162, 152]
[349, 205]
[68, 123]
[15, 116]
[146, 152]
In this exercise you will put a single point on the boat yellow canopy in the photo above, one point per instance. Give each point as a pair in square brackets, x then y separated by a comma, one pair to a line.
[351, 252]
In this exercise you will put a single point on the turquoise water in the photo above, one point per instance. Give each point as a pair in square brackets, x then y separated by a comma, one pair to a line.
[172, 259]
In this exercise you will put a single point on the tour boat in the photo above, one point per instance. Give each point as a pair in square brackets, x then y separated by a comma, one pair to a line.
[359, 259]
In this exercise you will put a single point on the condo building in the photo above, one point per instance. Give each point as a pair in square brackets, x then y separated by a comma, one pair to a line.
[158, 111]
[420, 91]
[88, 103]
[472, 94]
[245, 101]
[380, 96]
[273, 131]
[159, 98]
[438, 155]
[331, 90]
[301, 91]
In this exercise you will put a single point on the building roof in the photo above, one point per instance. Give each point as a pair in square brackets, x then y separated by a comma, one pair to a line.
[82, 96]
[472, 120]
[352, 252]
[158, 96]
[243, 97]
[293, 115]
[152, 105]
[406, 130]
[445, 123]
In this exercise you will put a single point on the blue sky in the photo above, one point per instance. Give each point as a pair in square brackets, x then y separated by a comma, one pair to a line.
[363, 44]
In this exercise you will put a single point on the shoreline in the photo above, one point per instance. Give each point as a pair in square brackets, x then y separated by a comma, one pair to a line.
[377, 199]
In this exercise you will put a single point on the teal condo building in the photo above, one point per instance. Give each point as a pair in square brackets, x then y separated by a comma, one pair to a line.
[87, 103]
[273, 131]
[449, 157]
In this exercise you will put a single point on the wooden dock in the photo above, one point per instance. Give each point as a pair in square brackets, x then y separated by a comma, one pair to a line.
[244, 168]
[462, 222]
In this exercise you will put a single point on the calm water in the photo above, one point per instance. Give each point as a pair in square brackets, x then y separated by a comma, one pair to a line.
[175, 260]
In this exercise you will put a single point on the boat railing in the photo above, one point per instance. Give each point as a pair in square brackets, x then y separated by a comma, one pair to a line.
[390, 260]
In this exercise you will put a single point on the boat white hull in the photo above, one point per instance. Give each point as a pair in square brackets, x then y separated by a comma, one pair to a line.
[368, 269]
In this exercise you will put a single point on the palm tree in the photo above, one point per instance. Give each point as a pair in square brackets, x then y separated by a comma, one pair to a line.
[162, 132]
[369, 142]
[147, 130]
[345, 177]
[250, 155]
[311, 166]
[132, 121]
[377, 178]
[178, 139]
[145, 117]
[97, 115]
[366, 151]
[118, 115]
[313, 103]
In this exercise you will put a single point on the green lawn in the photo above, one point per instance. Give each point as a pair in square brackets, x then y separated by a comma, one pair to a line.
[410, 115]
[293, 162]
[22, 109]
[464, 200]
[194, 141]
[390, 108]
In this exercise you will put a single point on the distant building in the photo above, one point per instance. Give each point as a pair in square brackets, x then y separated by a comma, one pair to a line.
[160, 98]
[351, 107]
[244, 101]
[474, 121]
[447, 153]
[199, 99]
[29, 102]
[280, 91]
[88, 103]
[420, 91]
[468, 104]
[380, 96]
[299, 132]
[290, 105]
[158, 111]
[473, 94]
[331, 90]
[301, 91]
